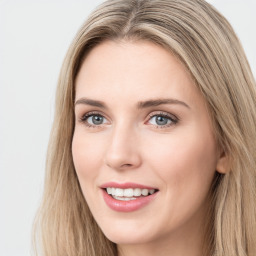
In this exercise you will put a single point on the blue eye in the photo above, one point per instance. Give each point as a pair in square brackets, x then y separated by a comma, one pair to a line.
[94, 119]
[162, 120]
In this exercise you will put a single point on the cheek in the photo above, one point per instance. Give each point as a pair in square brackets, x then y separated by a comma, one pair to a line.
[186, 163]
[87, 157]
[183, 153]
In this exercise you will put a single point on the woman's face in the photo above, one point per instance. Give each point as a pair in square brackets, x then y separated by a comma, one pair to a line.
[142, 127]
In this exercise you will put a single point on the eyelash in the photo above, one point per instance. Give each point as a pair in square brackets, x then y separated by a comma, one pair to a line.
[85, 117]
[174, 120]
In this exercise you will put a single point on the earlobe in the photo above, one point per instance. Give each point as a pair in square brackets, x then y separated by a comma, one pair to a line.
[223, 165]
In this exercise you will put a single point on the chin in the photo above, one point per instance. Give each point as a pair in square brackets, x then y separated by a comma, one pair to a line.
[127, 234]
[118, 238]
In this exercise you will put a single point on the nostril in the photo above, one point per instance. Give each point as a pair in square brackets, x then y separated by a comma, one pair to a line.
[126, 165]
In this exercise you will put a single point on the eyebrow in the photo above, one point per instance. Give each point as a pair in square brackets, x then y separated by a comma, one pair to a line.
[140, 105]
[157, 102]
[94, 103]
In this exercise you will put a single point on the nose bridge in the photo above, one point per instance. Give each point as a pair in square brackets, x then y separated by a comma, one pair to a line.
[122, 150]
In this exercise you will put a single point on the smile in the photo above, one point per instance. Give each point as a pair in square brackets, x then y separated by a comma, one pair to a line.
[127, 197]
[129, 193]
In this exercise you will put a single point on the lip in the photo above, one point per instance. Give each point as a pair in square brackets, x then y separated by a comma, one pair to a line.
[124, 185]
[126, 206]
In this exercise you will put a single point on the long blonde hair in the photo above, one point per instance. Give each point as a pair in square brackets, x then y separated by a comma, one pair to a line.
[207, 45]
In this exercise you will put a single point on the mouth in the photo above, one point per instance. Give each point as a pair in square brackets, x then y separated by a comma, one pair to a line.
[127, 197]
[129, 193]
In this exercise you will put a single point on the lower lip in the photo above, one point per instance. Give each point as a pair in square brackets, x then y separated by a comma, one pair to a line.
[127, 206]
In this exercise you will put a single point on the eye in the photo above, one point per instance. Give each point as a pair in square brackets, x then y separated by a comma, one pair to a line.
[162, 120]
[93, 119]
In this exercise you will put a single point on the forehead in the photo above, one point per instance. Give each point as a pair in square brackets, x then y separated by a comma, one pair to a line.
[134, 70]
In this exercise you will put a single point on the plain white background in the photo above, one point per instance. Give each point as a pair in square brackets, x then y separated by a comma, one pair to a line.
[34, 37]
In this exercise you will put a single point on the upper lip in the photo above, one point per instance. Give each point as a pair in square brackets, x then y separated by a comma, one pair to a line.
[125, 185]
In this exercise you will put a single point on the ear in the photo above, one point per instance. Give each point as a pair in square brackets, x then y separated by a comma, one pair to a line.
[223, 164]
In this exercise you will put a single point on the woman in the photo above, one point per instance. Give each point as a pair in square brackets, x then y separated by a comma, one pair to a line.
[152, 149]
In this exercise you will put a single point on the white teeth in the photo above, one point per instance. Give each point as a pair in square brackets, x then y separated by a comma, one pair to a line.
[151, 191]
[119, 192]
[109, 190]
[144, 192]
[129, 192]
[124, 198]
[137, 192]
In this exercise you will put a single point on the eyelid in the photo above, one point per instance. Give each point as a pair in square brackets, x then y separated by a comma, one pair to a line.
[174, 119]
[84, 117]
[162, 113]
[91, 113]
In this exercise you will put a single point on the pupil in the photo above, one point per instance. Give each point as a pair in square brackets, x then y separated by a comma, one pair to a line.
[160, 120]
[97, 119]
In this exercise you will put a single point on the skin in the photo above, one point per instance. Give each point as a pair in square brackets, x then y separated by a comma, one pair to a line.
[180, 159]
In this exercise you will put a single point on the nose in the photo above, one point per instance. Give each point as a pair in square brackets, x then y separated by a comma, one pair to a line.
[123, 149]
